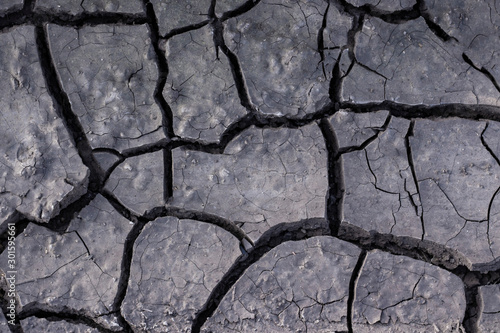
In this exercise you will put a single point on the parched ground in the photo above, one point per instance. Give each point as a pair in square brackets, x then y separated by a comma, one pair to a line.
[250, 166]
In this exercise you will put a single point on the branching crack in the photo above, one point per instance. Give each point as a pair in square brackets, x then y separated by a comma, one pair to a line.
[356, 273]
[362, 146]
[483, 70]
[411, 163]
[273, 237]
[234, 63]
[166, 111]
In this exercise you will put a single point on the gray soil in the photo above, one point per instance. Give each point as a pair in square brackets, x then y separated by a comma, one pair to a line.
[250, 166]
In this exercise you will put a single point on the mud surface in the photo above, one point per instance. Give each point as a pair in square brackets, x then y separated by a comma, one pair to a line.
[250, 166]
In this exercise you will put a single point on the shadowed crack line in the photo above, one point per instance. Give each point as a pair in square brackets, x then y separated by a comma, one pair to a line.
[273, 237]
[356, 273]
[120, 207]
[61, 221]
[396, 17]
[65, 313]
[411, 163]
[336, 186]
[181, 30]
[335, 87]
[234, 63]
[423, 250]
[28, 15]
[128, 253]
[473, 310]
[321, 40]
[407, 111]
[166, 111]
[474, 112]
[236, 128]
[400, 110]
[118, 155]
[488, 148]
[433, 26]
[482, 70]
[357, 26]
[20, 221]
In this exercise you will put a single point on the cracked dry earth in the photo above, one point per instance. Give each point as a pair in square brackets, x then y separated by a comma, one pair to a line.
[251, 166]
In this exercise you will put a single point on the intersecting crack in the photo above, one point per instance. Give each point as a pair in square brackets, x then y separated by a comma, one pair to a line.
[219, 166]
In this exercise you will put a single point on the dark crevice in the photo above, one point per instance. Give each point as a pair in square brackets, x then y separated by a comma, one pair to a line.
[433, 26]
[401, 110]
[473, 309]
[161, 62]
[490, 204]
[83, 242]
[21, 223]
[423, 250]
[395, 17]
[482, 70]
[239, 79]
[120, 207]
[407, 111]
[357, 26]
[147, 148]
[62, 313]
[181, 30]
[335, 87]
[273, 237]
[336, 187]
[488, 148]
[166, 111]
[168, 175]
[321, 40]
[27, 15]
[120, 159]
[356, 273]
[411, 163]
[488, 218]
[128, 252]
[61, 221]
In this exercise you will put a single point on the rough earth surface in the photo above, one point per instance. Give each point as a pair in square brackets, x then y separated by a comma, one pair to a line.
[250, 166]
